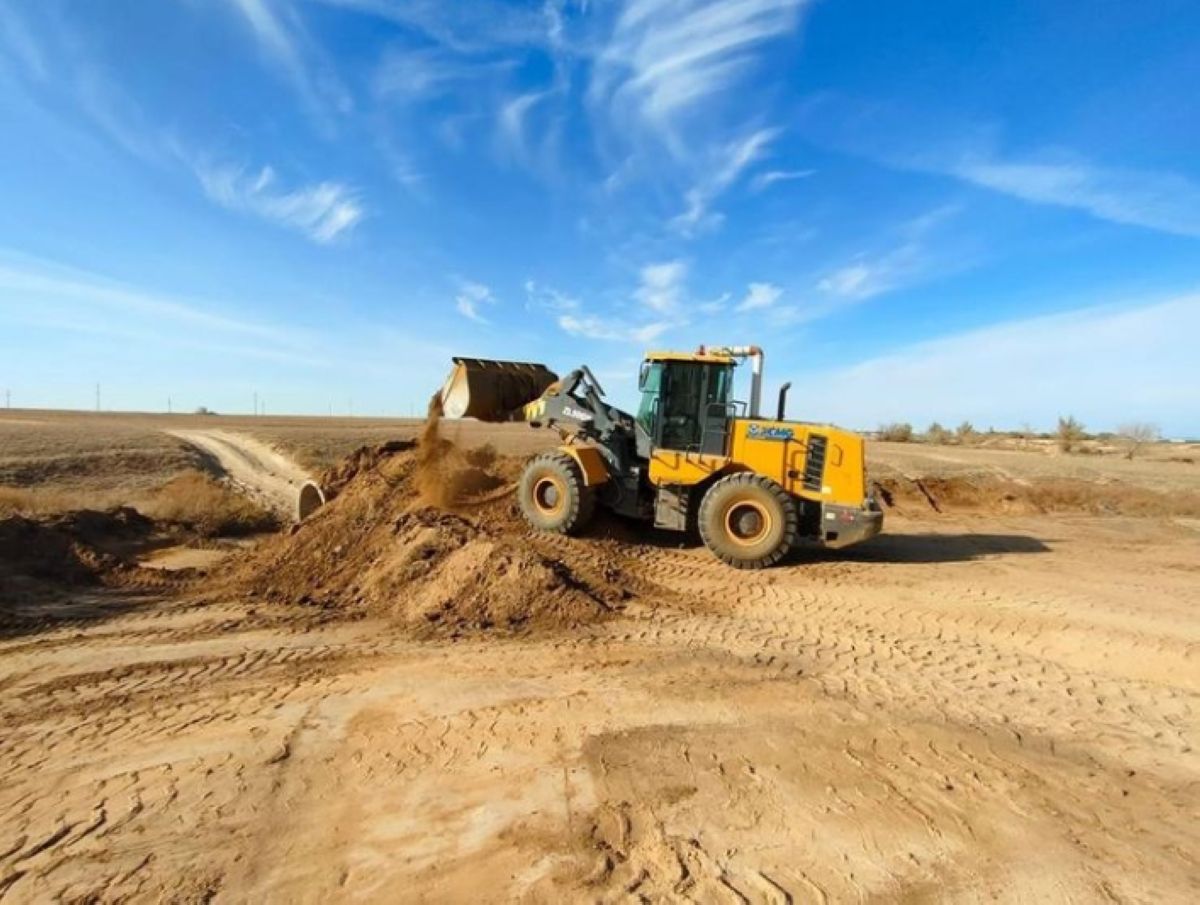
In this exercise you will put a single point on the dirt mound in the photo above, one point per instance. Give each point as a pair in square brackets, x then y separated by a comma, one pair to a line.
[73, 548]
[333, 480]
[995, 495]
[428, 535]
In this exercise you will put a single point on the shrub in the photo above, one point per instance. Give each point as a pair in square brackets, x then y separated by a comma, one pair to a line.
[965, 432]
[935, 433]
[196, 501]
[1069, 433]
[1135, 435]
[897, 432]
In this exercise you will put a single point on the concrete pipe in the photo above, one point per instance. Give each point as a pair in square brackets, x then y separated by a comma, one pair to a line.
[311, 498]
[492, 390]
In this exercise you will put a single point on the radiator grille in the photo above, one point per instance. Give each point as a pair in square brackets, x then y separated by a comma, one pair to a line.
[814, 464]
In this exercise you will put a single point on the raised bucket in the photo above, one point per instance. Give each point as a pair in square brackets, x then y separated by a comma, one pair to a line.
[492, 390]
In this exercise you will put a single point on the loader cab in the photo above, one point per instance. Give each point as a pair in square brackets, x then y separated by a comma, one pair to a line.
[687, 403]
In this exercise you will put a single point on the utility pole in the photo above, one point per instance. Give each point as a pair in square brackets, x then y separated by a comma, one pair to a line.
[256, 403]
[97, 397]
[168, 405]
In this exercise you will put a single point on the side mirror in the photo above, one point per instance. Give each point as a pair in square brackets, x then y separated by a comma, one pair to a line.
[643, 374]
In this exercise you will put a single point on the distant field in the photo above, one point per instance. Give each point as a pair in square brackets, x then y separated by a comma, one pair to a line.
[73, 459]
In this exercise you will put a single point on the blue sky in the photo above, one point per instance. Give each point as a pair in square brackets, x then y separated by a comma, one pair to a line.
[984, 211]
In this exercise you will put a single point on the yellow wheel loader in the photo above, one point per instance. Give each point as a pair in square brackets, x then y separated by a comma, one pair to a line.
[692, 456]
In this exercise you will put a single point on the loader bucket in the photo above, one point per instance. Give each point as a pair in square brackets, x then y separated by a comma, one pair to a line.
[492, 390]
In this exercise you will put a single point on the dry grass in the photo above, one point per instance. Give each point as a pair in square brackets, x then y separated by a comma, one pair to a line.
[195, 501]
[38, 502]
[191, 500]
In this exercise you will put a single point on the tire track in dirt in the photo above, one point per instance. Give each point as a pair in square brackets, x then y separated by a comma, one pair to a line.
[824, 732]
[262, 473]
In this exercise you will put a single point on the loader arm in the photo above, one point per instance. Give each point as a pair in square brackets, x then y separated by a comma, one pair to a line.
[574, 405]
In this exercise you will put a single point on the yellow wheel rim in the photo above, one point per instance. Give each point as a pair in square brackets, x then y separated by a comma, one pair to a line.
[549, 495]
[747, 522]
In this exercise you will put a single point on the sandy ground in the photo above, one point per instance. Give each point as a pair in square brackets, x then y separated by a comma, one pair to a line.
[968, 708]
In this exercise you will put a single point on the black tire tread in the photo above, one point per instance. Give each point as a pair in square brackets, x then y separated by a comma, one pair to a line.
[581, 500]
[787, 507]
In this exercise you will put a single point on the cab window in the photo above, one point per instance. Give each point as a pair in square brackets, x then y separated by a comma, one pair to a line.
[651, 381]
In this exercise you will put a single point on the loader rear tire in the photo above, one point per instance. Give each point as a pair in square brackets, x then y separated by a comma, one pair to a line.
[553, 496]
[748, 521]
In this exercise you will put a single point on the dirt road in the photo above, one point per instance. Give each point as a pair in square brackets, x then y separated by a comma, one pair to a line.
[255, 468]
[969, 708]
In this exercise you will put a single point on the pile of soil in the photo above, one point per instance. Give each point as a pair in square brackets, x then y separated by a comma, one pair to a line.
[428, 535]
[76, 548]
[995, 495]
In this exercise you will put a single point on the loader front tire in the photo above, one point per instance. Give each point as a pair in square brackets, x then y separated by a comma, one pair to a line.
[748, 521]
[553, 496]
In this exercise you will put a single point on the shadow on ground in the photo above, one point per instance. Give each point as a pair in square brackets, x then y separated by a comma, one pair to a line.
[927, 548]
[29, 607]
[930, 547]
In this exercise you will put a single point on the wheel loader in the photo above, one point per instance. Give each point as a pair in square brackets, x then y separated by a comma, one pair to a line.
[692, 457]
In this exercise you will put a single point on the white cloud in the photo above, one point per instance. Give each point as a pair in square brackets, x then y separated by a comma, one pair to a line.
[661, 287]
[1160, 201]
[665, 59]
[715, 306]
[279, 31]
[721, 172]
[513, 114]
[471, 297]
[322, 212]
[478, 26]
[867, 276]
[1104, 365]
[856, 281]
[770, 177]
[72, 297]
[547, 298]
[759, 296]
[601, 328]
[415, 75]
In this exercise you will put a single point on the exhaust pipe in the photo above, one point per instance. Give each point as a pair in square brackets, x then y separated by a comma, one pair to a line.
[783, 391]
[755, 354]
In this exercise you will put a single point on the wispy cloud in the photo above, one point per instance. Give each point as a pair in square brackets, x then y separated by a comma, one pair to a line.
[1103, 364]
[661, 286]
[74, 295]
[471, 297]
[323, 211]
[478, 26]
[723, 170]
[770, 177]
[974, 153]
[660, 289]
[281, 33]
[906, 262]
[547, 298]
[759, 296]
[601, 328]
[416, 75]
[1155, 200]
[665, 59]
